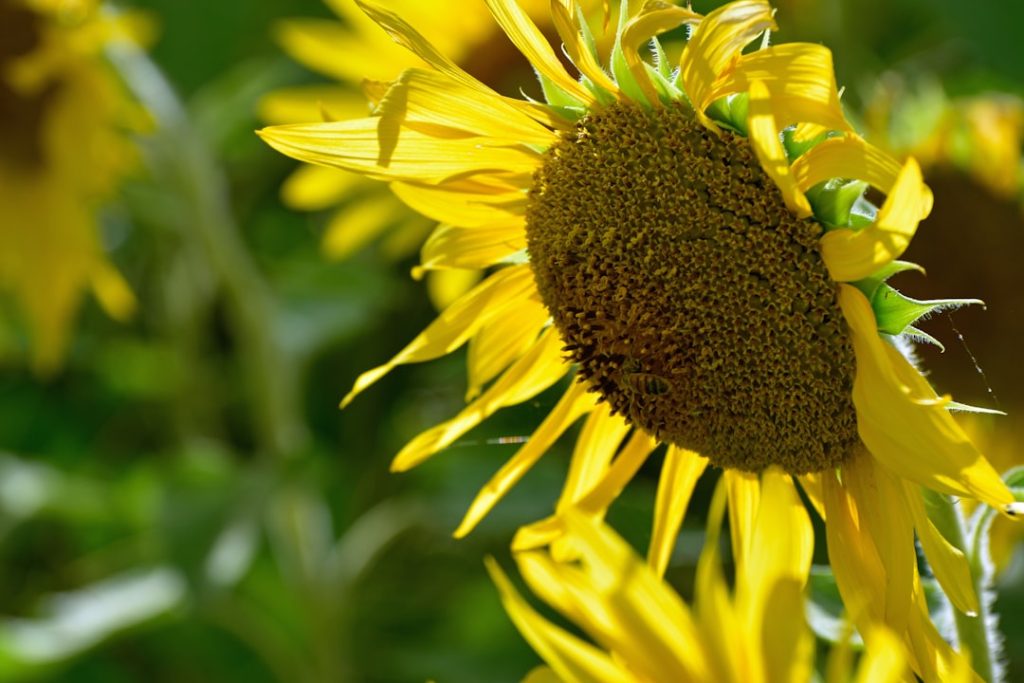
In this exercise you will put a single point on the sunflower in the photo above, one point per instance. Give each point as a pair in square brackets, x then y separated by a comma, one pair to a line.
[366, 209]
[640, 629]
[694, 242]
[63, 147]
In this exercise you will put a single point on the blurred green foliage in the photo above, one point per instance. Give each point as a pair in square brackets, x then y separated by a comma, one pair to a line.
[186, 503]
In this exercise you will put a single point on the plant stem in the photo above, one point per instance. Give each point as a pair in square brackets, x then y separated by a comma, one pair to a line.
[976, 633]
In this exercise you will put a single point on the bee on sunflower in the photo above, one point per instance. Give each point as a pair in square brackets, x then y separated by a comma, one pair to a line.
[693, 240]
[64, 120]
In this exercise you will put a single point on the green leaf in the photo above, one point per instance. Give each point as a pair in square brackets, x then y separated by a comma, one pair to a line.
[895, 312]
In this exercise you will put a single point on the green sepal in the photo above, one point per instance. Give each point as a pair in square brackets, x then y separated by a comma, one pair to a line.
[600, 94]
[661, 62]
[558, 98]
[731, 112]
[914, 334]
[624, 78]
[958, 407]
[869, 285]
[666, 91]
[895, 312]
[588, 37]
[833, 201]
[795, 148]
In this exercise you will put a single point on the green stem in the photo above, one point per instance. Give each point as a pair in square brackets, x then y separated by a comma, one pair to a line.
[977, 633]
[190, 168]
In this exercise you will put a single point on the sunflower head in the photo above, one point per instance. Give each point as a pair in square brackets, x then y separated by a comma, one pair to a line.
[692, 236]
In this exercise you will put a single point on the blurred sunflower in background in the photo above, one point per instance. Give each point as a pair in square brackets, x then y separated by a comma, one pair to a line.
[360, 57]
[64, 145]
[696, 244]
[642, 630]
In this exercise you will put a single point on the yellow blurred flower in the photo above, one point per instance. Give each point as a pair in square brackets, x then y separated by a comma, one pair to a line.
[715, 285]
[62, 150]
[357, 53]
[640, 630]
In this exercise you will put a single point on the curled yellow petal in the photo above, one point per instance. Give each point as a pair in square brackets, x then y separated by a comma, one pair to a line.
[851, 255]
[679, 475]
[457, 323]
[531, 42]
[576, 401]
[580, 55]
[534, 372]
[764, 138]
[799, 80]
[717, 41]
[902, 422]
[654, 19]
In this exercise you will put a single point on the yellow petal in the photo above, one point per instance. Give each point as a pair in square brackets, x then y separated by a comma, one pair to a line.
[465, 203]
[113, 292]
[717, 41]
[631, 611]
[884, 518]
[811, 484]
[569, 657]
[855, 254]
[579, 54]
[653, 20]
[679, 475]
[431, 97]
[848, 156]
[884, 661]
[627, 463]
[542, 674]
[576, 402]
[764, 138]
[355, 224]
[534, 372]
[316, 43]
[744, 491]
[314, 188]
[597, 443]
[799, 81]
[302, 104]
[379, 149]
[444, 287]
[948, 563]
[904, 425]
[457, 323]
[454, 247]
[531, 42]
[501, 341]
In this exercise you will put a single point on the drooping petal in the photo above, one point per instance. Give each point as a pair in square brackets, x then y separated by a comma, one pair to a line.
[570, 657]
[852, 255]
[799, 81]
[764, 138]
[947, 562]
[464, 203]
[596, 445]
[576, 402]
[531, 42]
[454, 247]
[457, 323]
[848, 156]
[884, 659]
[534, 372]
[679, 475]
[744, 490]
[884, 518]
[718, 40]
[501, 341]
[905, 425]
